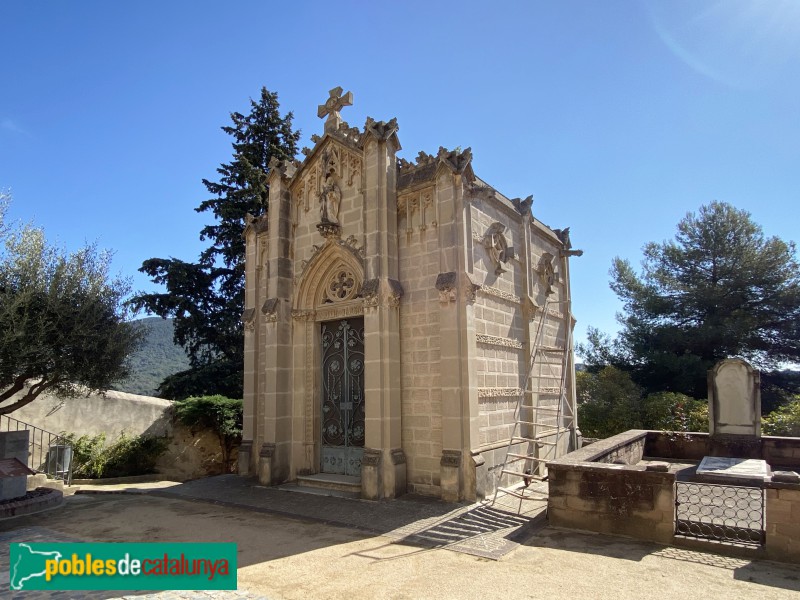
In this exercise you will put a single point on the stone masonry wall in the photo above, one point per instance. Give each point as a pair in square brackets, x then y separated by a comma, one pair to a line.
[612, 499]
[501, 344]
[419, 348]
[783, 522]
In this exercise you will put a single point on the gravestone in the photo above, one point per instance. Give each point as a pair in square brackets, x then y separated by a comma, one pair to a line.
[734, 413]
[734, 399]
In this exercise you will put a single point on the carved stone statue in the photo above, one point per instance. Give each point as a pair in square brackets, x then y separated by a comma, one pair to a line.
[329, 201]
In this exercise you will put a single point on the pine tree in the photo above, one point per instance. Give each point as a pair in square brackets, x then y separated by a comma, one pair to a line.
[206, 298]
[720, 289]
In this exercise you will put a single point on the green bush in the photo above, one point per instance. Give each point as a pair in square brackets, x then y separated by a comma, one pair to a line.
[672, 411]
[609, 402]
[784, 420]
[88, 457]
[133, 455]
[221, 415]
[92, 459]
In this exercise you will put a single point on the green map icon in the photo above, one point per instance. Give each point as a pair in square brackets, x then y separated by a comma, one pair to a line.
[27, 564]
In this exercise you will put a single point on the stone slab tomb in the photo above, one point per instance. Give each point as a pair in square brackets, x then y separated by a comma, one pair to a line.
[389, 315]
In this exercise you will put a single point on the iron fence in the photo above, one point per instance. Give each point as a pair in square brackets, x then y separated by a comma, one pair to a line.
[723, 513]
[48, 452]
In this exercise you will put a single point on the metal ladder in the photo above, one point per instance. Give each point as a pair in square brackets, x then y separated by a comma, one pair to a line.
[542, 418]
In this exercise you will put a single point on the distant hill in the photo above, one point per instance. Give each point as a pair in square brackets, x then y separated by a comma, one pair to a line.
[156, 359]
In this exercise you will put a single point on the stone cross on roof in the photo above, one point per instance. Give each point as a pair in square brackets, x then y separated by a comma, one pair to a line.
[332, 106]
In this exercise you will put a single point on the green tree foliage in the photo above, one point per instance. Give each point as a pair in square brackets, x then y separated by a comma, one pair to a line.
[156, 359]
[784, 420]
[719, 289]
[671, 411]
[63, 326]
[221, 415]
[206, 298]
[609, 402]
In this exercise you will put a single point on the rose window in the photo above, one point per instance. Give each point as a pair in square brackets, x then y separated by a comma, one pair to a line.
[341, 287]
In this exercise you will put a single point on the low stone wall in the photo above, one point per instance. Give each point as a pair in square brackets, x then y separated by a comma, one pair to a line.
[110, 413]
[601, 489]
[191, 453]
[779, 452]
[783, 522]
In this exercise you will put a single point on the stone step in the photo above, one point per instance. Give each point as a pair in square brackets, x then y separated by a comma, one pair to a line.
[317, 491]
[328, 481]
[40, 480]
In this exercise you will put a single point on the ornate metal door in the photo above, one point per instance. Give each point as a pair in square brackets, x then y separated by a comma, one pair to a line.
[343, 396]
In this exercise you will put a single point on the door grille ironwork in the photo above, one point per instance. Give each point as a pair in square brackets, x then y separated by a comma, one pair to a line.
[723, 513]
[343, 425]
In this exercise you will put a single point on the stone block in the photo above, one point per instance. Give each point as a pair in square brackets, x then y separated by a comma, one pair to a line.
[14, 444]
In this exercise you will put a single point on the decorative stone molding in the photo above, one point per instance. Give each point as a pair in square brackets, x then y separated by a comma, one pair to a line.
[454, 160]
[267, 450]
[372, 457]
[498, 341]
[495, 243]
[330, 231]
[451, 458]
[480, 192]
[423, 159]
[499, 392]
[336, 164]
[330, 312]
[550, 390]
[446, 283]
[270, 310]
[394, 293]
[285, 168]
[303, 315]
[381, 130]
[547, 273]
[563, 236]
[370, 292]
[498, 293]
[373, 295]
[398, 456]
[342, 286]
[523, 206]
[351, 244]
[470, 291]
[258, 224]
[248, 318]
[417, 203]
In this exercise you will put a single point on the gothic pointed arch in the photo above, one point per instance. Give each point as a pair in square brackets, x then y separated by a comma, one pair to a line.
[334, 274]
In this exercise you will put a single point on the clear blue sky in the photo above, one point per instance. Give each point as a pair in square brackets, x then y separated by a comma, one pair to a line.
[618, 116]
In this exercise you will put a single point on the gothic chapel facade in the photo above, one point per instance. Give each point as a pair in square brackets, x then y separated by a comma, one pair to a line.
[390, 312]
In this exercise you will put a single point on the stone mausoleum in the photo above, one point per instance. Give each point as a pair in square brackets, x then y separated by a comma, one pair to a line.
[390, 311]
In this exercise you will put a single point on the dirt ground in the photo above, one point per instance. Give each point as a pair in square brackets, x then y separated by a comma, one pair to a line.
[281, 557]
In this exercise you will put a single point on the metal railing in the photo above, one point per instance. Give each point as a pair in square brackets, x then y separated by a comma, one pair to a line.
[48, 452]
[723, 513]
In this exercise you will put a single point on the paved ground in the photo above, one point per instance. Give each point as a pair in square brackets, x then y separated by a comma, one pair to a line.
[298, 546]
